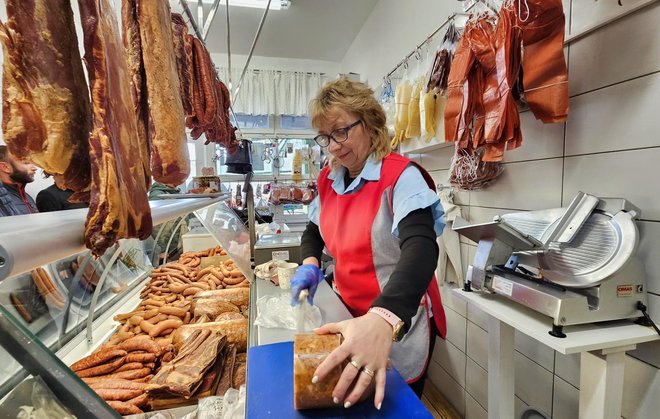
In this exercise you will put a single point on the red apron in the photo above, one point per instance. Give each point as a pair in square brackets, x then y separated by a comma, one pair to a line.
[347, 226]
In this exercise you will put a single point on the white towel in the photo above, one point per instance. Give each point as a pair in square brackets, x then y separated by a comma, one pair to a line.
[450, 269]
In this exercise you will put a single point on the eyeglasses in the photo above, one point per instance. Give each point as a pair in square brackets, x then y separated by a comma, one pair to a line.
[339, 135]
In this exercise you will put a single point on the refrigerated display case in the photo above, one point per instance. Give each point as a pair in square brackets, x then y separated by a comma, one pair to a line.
[55, 297]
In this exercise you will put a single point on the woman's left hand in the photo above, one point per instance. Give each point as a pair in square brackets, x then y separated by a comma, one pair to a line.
[366, 347]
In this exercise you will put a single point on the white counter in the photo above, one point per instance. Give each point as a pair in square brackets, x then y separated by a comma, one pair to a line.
[602, 348]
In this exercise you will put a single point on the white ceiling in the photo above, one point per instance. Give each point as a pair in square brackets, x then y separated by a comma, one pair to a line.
[309, 29]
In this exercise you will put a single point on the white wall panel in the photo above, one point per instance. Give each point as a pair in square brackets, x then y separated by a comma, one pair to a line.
[533, 383]
[540, 141]
[477, 382]
[586, 13]
[654, 307]
[519, 407]
[473, 410]
[567, 367]
[648, 251]
[456, 328]
[451, 359]
[532, 349]
[478, 316]
[477, 345]
[453, 392]
[618, 117]
[648, 352]
[565, 400]
[484, 215]
[439, 159]
[641, 389]
[626, 174]
[451, 302]
[526, 185]
[625, 49]
[441, 177]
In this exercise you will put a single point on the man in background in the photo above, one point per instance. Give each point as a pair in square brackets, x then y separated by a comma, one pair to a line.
[14, 175]
[56, 197]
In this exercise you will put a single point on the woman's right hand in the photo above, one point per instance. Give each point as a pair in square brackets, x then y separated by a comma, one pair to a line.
[307, 277]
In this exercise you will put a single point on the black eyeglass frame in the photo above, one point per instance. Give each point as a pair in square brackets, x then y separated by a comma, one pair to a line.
[331, 136]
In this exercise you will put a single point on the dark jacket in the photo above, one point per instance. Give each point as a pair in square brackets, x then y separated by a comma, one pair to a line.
[15, 201]
[54, 199]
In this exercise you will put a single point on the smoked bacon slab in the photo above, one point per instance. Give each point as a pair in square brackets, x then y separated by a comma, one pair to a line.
[118, 206]
[45, 101]
[169, 151]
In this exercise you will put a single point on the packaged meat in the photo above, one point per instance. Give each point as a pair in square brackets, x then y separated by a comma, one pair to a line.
[235, 330]
[236, 296]
[309, 350]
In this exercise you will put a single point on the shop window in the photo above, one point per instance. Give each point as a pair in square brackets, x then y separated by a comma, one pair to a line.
[291, 122]
[245, 121]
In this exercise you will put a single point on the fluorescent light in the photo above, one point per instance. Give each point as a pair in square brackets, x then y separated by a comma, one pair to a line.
[259, 4]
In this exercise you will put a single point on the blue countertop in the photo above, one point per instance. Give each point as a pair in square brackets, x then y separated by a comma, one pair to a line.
[270, 391]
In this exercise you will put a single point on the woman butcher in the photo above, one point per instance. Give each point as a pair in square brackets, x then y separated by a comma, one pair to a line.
[379, 217]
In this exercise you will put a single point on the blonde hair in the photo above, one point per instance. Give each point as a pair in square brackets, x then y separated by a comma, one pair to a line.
[356, 98]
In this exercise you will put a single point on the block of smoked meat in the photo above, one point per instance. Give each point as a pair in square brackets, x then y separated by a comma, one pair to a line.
[183, 375]
[118, 203]
[167, 131]
[183, 50]
[133, 46]
[45, 101]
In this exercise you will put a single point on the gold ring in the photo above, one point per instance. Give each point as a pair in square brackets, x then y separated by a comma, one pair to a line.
[356, 365]
[368, 372]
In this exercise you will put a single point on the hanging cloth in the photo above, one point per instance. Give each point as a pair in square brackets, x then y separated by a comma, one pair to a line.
[545, 76]
[413, 129]
[401, 98]
[450, 269]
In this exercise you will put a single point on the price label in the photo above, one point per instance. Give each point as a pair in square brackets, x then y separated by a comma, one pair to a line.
[281, 255]
[502, 286]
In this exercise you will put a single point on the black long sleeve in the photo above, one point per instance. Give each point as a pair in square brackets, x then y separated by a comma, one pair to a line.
[312, 243]
[413, 272]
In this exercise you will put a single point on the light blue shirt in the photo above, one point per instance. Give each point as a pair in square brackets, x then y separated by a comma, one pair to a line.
[411, 192]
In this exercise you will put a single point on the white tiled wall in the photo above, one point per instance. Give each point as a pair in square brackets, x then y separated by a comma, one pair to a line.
[610, 147]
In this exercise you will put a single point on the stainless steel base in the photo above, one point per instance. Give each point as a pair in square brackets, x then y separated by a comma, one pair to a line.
[610, 300]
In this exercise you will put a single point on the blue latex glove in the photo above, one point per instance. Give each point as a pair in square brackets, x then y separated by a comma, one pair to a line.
[307, 277]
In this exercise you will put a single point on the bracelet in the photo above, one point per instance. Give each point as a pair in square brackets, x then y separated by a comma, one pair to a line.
[389, 317]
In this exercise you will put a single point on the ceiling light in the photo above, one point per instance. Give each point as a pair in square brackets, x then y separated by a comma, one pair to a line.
[259, 4]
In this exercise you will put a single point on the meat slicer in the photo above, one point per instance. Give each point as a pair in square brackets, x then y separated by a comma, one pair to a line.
[576, 264]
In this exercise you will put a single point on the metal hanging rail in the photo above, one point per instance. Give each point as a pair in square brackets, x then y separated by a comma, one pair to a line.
[427, 39]
[254, 43]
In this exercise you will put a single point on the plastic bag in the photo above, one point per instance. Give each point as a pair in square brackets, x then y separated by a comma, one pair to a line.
[44, 404]
[275, 311]
[233, 404]
[268, 270]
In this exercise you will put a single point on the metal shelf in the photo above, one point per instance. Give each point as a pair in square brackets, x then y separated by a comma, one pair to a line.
[28, 241]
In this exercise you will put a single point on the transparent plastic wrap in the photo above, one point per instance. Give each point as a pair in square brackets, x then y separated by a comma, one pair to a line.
[309, 350]
[275, 311]
[32, 399]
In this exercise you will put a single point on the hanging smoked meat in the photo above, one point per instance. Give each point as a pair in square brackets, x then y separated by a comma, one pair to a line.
[45, 101]
[545, 77]
[183, 50]
[133, 46]
[169, 151]
[118, 206]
